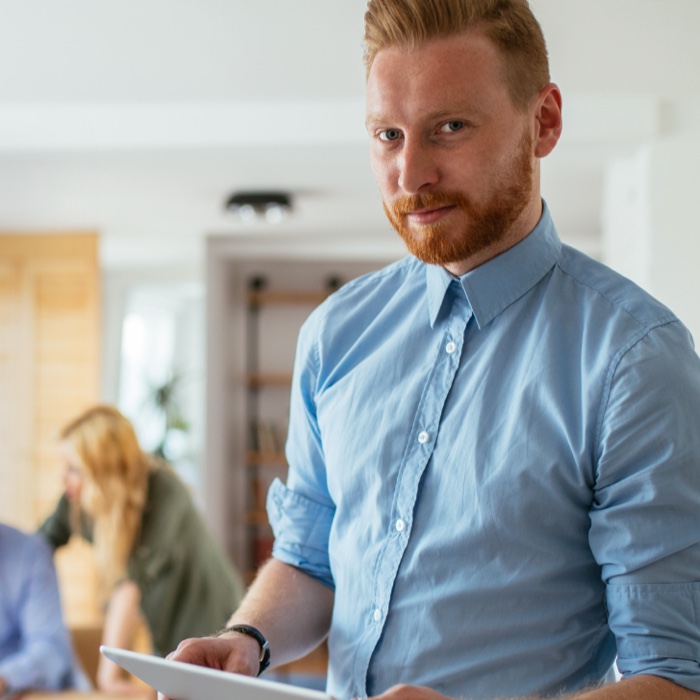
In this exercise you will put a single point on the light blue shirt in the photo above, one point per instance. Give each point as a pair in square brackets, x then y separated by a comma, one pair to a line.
[35, 647]
[499, 476]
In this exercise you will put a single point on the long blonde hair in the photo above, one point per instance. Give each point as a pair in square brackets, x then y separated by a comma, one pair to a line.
[114, 494]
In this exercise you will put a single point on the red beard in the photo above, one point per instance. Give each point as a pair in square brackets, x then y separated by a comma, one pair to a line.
[487, 225]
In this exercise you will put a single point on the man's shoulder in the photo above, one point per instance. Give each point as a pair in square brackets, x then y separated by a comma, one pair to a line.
[10, 534]
[396, 272]
[365, 296]
[386, 281]
[604, 287]
[20, 542]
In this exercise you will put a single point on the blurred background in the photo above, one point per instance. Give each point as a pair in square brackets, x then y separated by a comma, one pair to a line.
[125, 128]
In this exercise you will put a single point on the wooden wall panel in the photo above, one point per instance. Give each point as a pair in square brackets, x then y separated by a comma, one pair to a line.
[15, 474]
[65, 357]
[49, 371]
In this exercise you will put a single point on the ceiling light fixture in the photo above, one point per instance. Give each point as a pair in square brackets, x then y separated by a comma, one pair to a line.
[248, 207]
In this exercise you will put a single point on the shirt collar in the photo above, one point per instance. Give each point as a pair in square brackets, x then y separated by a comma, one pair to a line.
[495, 285]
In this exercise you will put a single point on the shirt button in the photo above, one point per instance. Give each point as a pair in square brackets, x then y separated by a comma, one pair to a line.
[450, 347]
[423, 437]
[400, 525]
[377, 615]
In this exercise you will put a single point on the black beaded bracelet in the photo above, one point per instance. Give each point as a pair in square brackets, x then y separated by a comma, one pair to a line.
[257, 636]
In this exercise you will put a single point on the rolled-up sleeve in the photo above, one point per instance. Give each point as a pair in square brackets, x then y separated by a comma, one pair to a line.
[656, 626]
[301, 528]
[301, 512]
[645, 522]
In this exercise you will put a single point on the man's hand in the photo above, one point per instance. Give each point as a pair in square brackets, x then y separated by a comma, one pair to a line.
[642, 687]
[409, 692]
[232, 652]
[294, 623]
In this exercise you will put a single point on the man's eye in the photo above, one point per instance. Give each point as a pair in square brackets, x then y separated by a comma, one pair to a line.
[389, 135]
[452, 126]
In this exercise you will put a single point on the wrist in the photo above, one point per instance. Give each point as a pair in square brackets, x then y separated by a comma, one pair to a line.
[251, 633]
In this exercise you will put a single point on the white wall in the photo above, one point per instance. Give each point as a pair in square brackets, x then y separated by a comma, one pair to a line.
[650, 222]
[177, 297]
[675, 239]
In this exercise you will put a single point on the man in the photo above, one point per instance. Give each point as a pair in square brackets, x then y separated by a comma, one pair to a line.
[35, 647]
[493, 482]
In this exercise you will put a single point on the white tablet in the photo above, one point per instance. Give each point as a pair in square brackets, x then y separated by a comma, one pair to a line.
[180, 681]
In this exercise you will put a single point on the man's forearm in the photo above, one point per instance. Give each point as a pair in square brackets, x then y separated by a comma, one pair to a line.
[291, 609]
[639, 688]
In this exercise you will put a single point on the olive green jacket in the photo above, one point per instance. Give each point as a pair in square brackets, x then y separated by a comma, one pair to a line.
[188, 587]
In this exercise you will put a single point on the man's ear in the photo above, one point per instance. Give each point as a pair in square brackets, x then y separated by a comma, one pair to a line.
[548, 120]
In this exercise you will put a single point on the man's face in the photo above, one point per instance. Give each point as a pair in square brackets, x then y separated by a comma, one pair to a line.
[452, 155]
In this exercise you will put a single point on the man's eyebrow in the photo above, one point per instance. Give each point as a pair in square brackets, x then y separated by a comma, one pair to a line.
[373, 118]
[465, 110]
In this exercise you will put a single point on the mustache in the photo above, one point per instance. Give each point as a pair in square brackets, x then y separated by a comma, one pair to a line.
[429, 200]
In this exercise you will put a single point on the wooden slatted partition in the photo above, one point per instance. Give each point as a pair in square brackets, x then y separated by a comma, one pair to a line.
[15, 495]
[49, 371]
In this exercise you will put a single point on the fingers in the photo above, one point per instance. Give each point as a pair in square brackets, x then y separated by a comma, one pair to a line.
[212, 652]
[181, 654]
[236, 654]
[186, 650]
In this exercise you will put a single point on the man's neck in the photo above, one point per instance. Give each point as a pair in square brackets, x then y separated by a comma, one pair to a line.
[521, 228]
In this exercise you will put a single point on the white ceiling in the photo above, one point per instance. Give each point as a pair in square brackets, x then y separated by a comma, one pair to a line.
[137, 118]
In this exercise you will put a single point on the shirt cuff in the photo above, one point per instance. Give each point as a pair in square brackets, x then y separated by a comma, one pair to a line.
[656, 627]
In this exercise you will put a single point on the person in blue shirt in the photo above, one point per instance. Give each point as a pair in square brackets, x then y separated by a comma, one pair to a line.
[35, 647]
[494, 456]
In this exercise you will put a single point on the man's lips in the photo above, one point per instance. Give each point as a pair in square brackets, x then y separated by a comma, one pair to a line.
[423, 217]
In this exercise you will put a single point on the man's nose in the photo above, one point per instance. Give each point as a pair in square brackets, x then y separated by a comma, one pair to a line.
[418, 169]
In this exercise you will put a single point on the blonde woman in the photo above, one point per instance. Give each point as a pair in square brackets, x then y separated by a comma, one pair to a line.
[155, 556]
